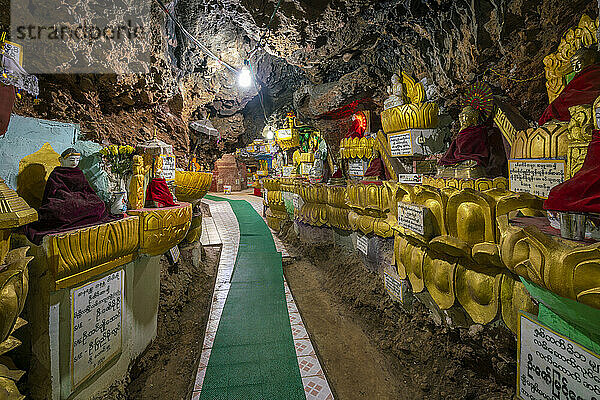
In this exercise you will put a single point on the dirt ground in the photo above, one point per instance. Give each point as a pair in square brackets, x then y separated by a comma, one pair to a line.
[373, 349]
[166, 370]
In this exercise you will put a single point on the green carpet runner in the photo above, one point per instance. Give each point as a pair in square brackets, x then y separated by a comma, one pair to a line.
[253, 355]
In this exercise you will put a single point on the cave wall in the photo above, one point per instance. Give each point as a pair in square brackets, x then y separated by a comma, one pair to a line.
[318, 56]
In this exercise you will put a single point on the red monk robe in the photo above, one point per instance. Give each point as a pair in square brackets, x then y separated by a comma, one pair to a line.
[159, 192]
[357, 129]
[583, 89]
[7, 101]
[376, 170]
[470, 144]
[482, 144]
[69, 202]
[581, 193]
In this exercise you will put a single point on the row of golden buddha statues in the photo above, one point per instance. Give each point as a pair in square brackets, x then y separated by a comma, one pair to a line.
[474, 248]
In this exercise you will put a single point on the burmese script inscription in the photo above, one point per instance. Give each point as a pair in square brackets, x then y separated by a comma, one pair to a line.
[97, 318]
[362, 244]
[168, 170]
[357, 167]
[553, 367]
[537, 177]
[401, 144]
[410, 178]
[411, 217]
[393, 286]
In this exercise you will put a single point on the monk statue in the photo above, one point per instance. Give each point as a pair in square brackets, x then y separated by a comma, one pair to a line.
[158, 193]
[69, 201]
[395, 92]
[584, 88]
[476, 151]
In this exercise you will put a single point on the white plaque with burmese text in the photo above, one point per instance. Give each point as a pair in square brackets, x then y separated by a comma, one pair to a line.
[305, 168]
[287, 170]
[401, 144]
[550, 366]
[168, 168]
[410, 178]
[411, 216]
[393, 287]
[357, 167]
[97, 319]
[362, 244]
[537, 177]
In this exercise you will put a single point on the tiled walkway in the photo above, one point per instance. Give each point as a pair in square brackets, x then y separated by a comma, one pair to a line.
[210, 233]
[313, 378]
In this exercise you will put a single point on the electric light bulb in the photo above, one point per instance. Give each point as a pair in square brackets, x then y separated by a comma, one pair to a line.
[270, 134]
[245, 78]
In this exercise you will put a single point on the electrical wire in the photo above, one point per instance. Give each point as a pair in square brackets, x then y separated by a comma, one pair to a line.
[194, 40]
[266, 30]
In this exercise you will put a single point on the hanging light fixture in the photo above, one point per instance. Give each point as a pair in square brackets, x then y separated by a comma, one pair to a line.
[245, 77]
[270, 133]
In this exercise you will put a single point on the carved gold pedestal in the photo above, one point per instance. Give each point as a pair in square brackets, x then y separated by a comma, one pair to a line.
[162, 228]
[191, 186]
[76, 256]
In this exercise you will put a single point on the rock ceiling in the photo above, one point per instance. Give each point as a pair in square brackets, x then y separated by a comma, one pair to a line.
[317, 56]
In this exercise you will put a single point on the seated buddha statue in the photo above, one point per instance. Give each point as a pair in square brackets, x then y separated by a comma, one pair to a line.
[395, 92]
[584, 88]
[358, 126]
[581, 193]
[158, 193]
[69, 201]
[376, 170]
[476, 151]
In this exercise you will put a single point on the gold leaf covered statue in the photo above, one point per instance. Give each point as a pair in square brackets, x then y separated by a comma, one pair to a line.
[584, 88]
[477, 150]
[136, 186]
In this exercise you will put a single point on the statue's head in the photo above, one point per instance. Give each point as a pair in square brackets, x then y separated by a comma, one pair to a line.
[70, 158]
[584, 57]
[468, 117]
[395, 79]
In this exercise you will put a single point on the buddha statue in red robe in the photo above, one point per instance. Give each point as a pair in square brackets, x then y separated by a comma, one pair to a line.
[376, 170]
[581, 193]
[476, 151]
[584, 88]
[69, 201]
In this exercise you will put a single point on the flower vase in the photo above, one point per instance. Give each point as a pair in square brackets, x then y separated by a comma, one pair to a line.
[119, 203]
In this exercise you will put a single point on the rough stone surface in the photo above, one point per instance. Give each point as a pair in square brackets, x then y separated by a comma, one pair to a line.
[318, 57]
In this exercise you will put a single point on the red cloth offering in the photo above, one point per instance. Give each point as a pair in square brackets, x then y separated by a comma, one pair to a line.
[7, 101]
[376, 169]
[581, 193]
[159, 192]
[470, 144]
[69, 202]
[583, 89]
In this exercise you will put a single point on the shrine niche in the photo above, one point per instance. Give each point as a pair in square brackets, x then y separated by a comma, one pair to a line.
[90, 247]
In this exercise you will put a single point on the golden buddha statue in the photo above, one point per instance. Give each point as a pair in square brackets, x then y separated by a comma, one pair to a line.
[462, 162]
[584, 88]
[477, 150]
